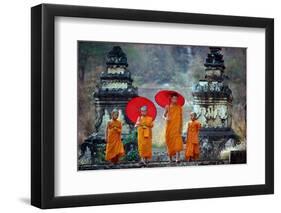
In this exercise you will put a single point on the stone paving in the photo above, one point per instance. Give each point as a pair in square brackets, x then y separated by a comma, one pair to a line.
[159, 159]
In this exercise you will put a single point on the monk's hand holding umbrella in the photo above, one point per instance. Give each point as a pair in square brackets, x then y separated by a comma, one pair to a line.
[165, 115]
[144, 126]
[137, 122]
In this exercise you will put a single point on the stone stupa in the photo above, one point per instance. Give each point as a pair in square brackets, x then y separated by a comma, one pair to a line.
[213, 106]
[114, 90]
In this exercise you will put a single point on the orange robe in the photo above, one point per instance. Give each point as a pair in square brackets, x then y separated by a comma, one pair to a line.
[192, 141]
[145, 137]
[174, 130]
[114, 146]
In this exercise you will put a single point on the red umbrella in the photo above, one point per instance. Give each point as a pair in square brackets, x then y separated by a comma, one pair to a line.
[133, 108]
[163, 97]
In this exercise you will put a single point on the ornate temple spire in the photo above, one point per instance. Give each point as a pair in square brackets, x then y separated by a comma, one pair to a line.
[116, 80]
[214, 59]
[212, 102]
[116, 57]
[214, 65]
[114, 90]
[214, 85]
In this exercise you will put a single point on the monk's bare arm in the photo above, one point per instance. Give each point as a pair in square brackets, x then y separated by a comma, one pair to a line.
[137, 122]
[165, 115]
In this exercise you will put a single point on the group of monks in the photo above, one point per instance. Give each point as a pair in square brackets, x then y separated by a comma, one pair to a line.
[173, 115]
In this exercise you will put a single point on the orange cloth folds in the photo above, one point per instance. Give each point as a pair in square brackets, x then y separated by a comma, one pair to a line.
[145, 136]
[174, 129]
[114, 146]
[192, 141]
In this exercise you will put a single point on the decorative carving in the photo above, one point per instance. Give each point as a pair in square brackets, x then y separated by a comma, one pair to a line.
[213, 105]
[214, 59]
[116, 57]
[115, 89]
[98, 117]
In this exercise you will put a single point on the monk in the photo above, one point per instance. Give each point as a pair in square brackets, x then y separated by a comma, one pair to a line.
[192, 142]
[114, 145]
[144, 125]
[173, 117]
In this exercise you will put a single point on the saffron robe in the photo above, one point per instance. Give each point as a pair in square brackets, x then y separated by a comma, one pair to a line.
[192, 141]
[145, 136]
[114, 145]
[174, 129]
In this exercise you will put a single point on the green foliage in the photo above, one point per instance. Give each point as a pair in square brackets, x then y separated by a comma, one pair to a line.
[91, 54]
[130, 141]
[132, 156]
[100, 154]
[130, 138]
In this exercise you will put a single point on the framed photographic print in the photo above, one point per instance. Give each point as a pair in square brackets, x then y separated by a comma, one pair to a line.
[139, 106]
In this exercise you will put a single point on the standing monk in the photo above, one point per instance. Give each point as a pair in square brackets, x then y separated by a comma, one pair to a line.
[144, 124]
[173, 117]
[192, 142]
[114, 146]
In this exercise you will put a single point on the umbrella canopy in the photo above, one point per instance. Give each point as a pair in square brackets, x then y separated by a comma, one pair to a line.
[133, 108]
[163, 97]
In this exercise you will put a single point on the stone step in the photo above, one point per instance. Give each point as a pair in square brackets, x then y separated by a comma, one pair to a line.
[152, 164]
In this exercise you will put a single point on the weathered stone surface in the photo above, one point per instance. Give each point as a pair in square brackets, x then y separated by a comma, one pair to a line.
[213, 106]
[115, 90]
[152, 164]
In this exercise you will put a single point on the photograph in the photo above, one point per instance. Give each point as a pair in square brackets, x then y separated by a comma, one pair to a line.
[143, 105]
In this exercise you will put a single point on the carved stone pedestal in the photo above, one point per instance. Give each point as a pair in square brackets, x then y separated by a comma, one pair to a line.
[213, 106]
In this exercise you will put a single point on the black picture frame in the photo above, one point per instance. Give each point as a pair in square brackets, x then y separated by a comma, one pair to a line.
[43, 105]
